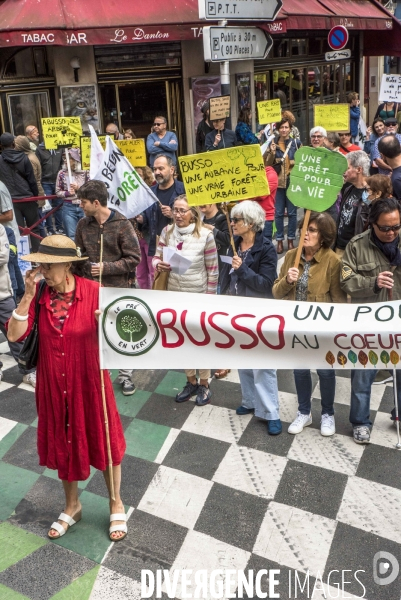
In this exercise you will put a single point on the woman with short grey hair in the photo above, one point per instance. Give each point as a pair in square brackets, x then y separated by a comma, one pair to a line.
[252, 274]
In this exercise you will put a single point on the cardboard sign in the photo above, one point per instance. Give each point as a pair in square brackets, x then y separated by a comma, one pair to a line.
[61, 132]
[269, 111]
[86, 150]
[316, 178]
[390, 88]
[224, 175]
[333, 117]
[134, 150]
[219, 107]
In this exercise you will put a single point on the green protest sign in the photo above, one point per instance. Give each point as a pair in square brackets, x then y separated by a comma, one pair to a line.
[316, 178]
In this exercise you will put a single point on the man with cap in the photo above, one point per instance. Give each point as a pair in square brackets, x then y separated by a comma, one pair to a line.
[391, 125]
[67, 190]
[203, 129]
[220, 137]
[32, 133]
[17, 174]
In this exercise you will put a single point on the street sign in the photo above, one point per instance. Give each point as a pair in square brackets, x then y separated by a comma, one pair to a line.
[338, 37]
[233, 10]
[338, 54]
[235, 43]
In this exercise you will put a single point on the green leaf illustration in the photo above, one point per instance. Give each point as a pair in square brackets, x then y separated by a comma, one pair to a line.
[384, 357]
[353, 357]
[342, 359]
[373, 358]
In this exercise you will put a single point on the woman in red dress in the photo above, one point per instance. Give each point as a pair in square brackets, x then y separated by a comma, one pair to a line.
[71, 425]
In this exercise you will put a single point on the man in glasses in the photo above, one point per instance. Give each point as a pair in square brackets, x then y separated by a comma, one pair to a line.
[391, 126]
[371, 272]
[390, 151]
[161, 141]
[353, 200]
[318, 137]
[113, 131]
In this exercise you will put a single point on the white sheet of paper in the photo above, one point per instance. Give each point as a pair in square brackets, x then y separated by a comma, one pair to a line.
[167, 253]
[226, 259]
[179, 264]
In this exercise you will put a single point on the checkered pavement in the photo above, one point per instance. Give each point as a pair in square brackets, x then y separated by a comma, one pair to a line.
[205, 489]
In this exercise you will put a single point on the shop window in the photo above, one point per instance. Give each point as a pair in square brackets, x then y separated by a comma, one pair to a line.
[27, 109]
[315, 46]
[261, 86]
[299, 47]
[280, 48]
[26, 63]
[135, 57]
[281, 87]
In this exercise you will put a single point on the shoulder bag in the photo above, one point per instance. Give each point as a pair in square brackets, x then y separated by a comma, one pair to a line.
[277, 166]
[160, 281]
[28, 357]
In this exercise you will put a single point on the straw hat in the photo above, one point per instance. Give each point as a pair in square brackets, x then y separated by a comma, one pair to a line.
[56, 249]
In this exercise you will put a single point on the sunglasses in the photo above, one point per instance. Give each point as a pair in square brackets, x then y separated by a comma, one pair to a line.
[387, 228]
[158, 124]
[236, 219]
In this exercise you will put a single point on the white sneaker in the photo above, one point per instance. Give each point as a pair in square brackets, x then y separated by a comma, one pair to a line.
[30, 379]
[327, 425]
[299, 423]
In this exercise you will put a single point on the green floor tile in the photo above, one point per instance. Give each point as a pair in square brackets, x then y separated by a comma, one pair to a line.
[89, 537]
[80, 589]
[15, 544]
[35, 422]
[145, 439]
[113, 374]
[8, 440]
[130, 405]
[7, 594]
[172, 383]
[15, 484]
[53, 474]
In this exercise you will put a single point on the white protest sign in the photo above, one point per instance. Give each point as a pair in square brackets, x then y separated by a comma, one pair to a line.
[390, 88]
[23, 249]
[141, 328]
[97, 154]
[128, 193]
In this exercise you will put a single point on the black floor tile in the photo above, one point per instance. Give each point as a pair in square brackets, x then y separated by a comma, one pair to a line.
[12, 375]
[23, 453]
[196, 454]
[226, 393]
[381, 464]
[231, 516]
[164, 410]
[149, 380]
[311, 488]
[256, 436]
[387, 402]
[18, 405]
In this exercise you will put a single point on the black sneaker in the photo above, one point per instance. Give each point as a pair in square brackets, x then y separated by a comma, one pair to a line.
[203, 396]
[128, 388]
[189, 390]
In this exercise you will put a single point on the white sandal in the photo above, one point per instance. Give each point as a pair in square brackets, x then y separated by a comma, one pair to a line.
[121, 527]
[67, 519]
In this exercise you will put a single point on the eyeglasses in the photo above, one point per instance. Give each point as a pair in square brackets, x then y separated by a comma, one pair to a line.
[45, 266]
[387, 228]
[312, 230]
[180, 211]
[158, 124]
[318, 137]
[236, 219]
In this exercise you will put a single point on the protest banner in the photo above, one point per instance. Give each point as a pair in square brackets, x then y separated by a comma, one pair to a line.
[224, 175]
[144, 328]
[86, 144]
[269, 111]
[219, 107]
[390, 88]
[134, 150]
[23, 249]
[61, 132]
[128, 193]
[333, 117]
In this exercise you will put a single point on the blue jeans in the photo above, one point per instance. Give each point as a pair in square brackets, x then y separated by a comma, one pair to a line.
[41, 225]
[259, 391]
[72, 213]
[50, 190]
[303, 384]
[281, 203]
[268, 230]
[361, 385]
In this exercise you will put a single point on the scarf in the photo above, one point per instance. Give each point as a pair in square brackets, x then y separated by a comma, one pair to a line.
[181, 232]
[389, 249]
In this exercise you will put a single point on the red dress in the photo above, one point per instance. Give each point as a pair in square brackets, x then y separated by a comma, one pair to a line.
[71, 429]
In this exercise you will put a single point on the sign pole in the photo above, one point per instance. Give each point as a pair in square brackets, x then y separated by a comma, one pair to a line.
[225, 210]
[302, 238]
[67, 158]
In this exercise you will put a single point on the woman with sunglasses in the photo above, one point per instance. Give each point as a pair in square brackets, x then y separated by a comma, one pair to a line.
[187, 237]
[252, 274]
[316, 279]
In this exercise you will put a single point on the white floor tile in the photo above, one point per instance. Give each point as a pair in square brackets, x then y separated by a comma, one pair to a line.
[26, 387]
[217, 422]
[176, 496]
[8, 361]
[288, 404]
[168, 442]
[6, 425]
[295, 538]
[110, 585]
[384, 432]
[251, 471]
[4, 347]
[5, 386]
[337, 453]
[199, 551]
[372, 507]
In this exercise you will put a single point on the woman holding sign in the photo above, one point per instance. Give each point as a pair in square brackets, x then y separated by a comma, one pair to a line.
[281, 156]
[316, 280]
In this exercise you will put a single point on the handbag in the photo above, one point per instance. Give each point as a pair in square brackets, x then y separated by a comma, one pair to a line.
[28, 357]
[277, 166]
[161, 280]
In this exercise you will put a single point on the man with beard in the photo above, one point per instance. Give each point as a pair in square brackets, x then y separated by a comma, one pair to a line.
[159, 215]
[32, 133]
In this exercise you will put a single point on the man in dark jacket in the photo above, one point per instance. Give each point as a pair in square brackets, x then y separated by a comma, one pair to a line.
[121, 252]
[203, 129]
[51, 161]
[159, 215]
[16, 173]
[220, 137]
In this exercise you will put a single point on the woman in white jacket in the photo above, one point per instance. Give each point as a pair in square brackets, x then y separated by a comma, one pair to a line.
[188, 237]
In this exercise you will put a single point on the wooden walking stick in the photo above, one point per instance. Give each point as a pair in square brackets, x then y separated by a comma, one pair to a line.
[106, 418]
[225, 210]
[301, 238]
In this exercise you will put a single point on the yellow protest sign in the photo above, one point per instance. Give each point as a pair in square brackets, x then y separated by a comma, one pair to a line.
[61, 131]
[86, 150]
[333, 117]
[134, 150]
[219, 107]
[269, 111]
[224, 175]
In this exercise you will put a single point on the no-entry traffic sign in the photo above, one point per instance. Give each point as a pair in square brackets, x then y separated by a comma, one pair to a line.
[338, 37]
